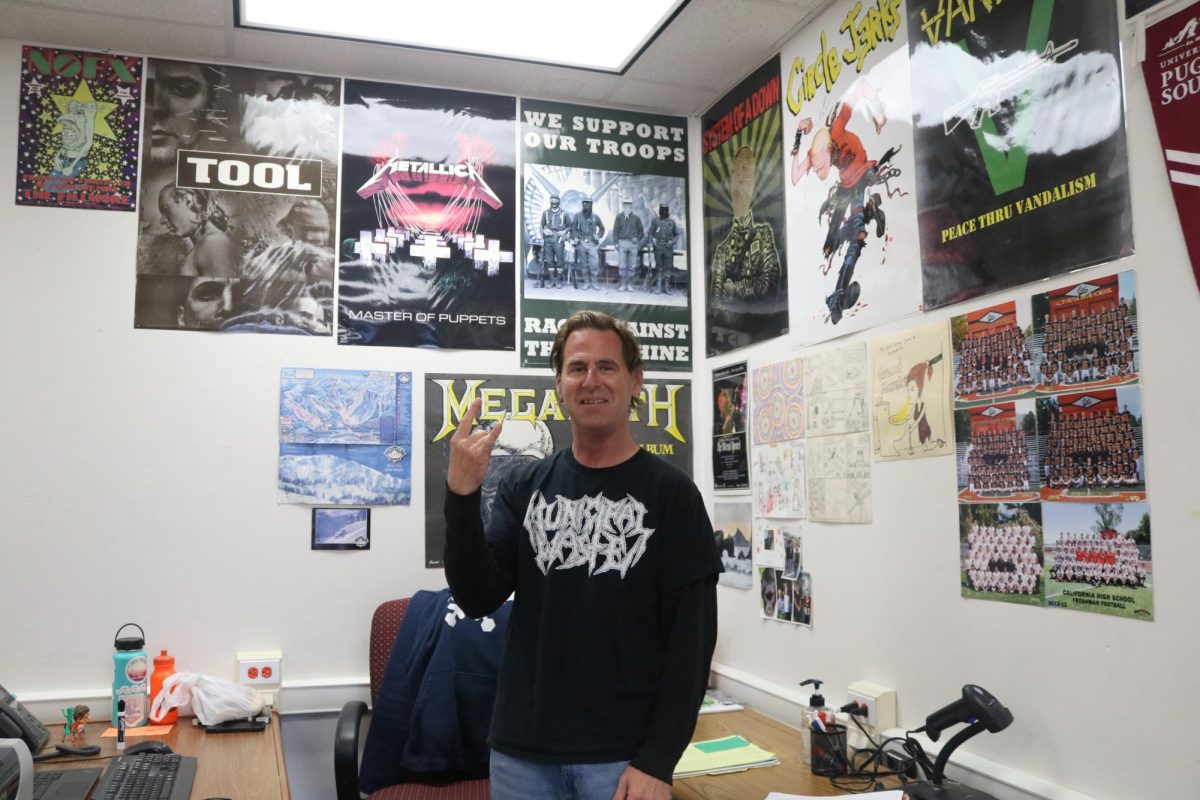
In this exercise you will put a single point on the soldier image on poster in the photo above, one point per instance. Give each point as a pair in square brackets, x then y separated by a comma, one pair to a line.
[746, 275]
[617, 240]
[237, 200]
[1022, 168]
[428, 204]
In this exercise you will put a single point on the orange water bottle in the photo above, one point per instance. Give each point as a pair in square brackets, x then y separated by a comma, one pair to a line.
[164, 667]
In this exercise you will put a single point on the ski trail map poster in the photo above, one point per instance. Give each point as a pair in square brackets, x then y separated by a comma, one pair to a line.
[428, 210]
[745, 261]
[616, 240]
[238, 200]
[77, 139]
[912, 372]
[1019, 124]
[853, 254]
[535, 427]
[345, 437]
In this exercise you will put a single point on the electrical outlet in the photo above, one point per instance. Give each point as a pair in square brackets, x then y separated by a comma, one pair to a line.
[879, 701]
[260, 669]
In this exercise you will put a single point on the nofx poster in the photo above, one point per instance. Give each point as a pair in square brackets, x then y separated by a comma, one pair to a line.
[78, 134]
[851, 197]
[604, 225]
[238, 186]
[536, 426]
[1170, 70]
[427, 218]
[745, 266]
[1022, 169]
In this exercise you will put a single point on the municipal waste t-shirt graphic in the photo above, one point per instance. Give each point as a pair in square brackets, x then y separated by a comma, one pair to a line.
[594, 532]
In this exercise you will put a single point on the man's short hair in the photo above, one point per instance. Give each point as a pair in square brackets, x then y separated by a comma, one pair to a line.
[597, 321]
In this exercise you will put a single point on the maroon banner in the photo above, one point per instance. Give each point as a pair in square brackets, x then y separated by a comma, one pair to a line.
[1172, 71]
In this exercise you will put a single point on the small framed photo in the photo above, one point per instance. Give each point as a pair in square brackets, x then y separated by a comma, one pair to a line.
[341, 529]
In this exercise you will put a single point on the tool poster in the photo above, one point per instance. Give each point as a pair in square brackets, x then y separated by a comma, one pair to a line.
[913, 412]
[77, 137]
[535, 426]
[734, 533]
[345, 437]
[1171, 47]
[731, 455]
[604, 226]
[1098, 558]
[853, 254]
[238, 197]
[1019, 126]
[426, 257]
[1000, 548]
[745, 259]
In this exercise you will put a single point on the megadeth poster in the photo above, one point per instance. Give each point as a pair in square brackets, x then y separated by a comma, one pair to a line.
[235, 226]
[1019, 123]
[744, 256]
[535, 426]
[604, 225]
[78, 136]
[426, 256]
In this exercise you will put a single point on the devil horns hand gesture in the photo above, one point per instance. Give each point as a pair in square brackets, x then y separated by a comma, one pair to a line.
[470, 452]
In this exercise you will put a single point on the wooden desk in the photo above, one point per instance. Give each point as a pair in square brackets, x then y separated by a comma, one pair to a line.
[792, 775]
[237, 765]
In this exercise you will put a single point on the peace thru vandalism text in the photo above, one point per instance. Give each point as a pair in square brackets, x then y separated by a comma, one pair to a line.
[1025, 205]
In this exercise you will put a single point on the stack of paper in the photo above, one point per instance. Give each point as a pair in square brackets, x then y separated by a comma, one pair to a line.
[731, 754]
[716, 700]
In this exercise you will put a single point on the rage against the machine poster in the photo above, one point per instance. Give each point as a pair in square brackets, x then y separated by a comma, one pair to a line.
[426, 256]
[238, 184]
[604, 225]
[78, 134]
[851, 197]
[744, 257]
[1019, 124]
[535, 426]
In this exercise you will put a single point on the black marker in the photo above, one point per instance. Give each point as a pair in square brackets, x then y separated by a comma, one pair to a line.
[120, 724]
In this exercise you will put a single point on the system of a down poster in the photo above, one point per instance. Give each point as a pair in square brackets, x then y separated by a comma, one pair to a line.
[428, 212]
[238, 197]
[78, 136]
[604, 226]
[535, 426]
[853, 254]
[744, 254]
[1019, 125]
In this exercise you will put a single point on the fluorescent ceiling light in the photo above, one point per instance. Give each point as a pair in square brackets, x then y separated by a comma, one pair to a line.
[603, 36]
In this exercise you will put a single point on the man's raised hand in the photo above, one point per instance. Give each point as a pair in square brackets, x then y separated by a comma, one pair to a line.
[470, 452]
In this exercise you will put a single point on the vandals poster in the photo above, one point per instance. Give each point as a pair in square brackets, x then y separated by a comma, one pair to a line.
[1019, 124]
[426, 255]
[604, 225]
[238, 196]
[345, 437]
[745, 262]
[535, 426]
[851, 197]
[78, 134]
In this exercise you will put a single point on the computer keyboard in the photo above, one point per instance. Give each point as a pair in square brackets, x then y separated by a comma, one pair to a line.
[147, 776]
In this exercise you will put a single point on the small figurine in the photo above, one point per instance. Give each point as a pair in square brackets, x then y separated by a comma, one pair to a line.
[77, 720]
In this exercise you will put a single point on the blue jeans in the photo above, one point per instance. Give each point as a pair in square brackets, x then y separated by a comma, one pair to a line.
[517, 779]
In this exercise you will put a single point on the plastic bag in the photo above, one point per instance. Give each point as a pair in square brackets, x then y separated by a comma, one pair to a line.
[213, 700]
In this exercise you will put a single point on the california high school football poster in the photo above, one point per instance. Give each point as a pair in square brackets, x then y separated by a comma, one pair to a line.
[1019, 125]
[238, 196]
[536, 426]
[745, 260]
[77, 141]
[427, 254]
[605, 226]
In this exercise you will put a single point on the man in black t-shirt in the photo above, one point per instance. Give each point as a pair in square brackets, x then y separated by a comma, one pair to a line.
[611, 556]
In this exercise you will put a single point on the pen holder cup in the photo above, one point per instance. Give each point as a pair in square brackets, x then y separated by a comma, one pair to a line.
[829, 751]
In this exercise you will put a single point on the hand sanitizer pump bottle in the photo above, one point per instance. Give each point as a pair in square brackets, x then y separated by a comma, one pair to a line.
[816, 703]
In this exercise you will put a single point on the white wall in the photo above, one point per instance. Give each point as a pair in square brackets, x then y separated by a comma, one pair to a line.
[137, 482]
